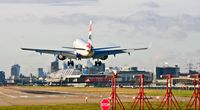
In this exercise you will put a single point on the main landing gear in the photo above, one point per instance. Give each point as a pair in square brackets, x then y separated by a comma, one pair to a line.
[98, 63]
[70, 63]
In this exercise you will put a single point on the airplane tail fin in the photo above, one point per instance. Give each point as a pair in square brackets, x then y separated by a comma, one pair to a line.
[90, 30]
[89, 43]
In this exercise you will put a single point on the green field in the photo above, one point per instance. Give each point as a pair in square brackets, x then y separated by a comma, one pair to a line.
[83, 106]
[124, 91]
[95, 106]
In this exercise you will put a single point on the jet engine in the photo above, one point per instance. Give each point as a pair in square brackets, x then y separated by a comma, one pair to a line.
[61, 57]
[104, 57]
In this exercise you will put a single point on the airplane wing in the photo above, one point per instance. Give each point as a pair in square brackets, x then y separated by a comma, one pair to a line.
[93, 48]
[68, 54]
[74, 48]
[106, 48]
[101, 53]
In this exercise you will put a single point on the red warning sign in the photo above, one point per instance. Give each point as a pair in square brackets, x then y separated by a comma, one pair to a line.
[105, 104]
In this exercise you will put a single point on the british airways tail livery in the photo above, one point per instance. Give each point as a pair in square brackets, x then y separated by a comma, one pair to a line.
[83, 50]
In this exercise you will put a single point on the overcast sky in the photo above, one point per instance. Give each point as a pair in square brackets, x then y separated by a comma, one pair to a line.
[172, 25]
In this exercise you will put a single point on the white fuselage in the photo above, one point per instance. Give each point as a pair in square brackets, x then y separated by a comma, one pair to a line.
[79, 43]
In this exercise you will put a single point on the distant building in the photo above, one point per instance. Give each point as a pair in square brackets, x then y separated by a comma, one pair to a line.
[85, 71]
[92, 69]
[2, 77]
[11, 80]
[175, 71]
[65, 65]
[79, 67]
[54, 66]
[126, 76]
[15, 70]
[132, 68]
[73, 77]
[89, 64]
[193, 72]
[102, 68]
[41, 73]
[95, 69]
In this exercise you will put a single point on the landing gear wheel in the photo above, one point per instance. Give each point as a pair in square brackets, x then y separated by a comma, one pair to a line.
[98, 63]
[70, 63]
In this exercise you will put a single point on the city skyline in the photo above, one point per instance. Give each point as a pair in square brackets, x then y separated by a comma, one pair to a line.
[55, 65]
[172, 26]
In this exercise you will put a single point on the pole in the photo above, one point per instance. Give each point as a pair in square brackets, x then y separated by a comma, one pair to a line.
[167, 94]
[199, 90]
[195, 94]
[195, 98]
[141, 97]
[114, 97]
[170, 92]
[142, 81]
[169, 98]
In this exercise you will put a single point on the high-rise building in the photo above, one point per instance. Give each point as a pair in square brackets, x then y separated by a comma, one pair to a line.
[2, 77]
[175, 71]
[102, 68]
[54, 66]
[15, 70]
[41, 73]
[95, 69]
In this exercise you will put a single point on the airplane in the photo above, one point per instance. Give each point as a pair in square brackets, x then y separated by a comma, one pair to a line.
[84, 50]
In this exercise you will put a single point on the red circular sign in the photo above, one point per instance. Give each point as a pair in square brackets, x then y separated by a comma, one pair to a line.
[105, 104]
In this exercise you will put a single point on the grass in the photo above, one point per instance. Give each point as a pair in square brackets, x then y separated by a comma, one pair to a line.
[93, 106]
[120, 91]
[53, 107]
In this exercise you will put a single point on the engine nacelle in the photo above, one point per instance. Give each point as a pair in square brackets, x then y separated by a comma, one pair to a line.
[61, 57]
[104, 58]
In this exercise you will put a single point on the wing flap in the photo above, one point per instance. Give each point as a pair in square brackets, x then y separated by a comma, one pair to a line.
[74, 48]
[68, 54]
[106, 48]
[101, 53]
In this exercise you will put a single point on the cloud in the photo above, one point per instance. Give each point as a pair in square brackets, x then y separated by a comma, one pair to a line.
[77, 18]
[71, 19]
[28, 17]
[167, 26]
[53, 2]
[152, 19]
[150, 4]
[140, 20]
[145, 22]
[142, 23]
[198, 52]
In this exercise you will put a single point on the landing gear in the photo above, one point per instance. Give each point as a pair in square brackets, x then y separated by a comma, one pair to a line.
[70, 63]
[98, 63]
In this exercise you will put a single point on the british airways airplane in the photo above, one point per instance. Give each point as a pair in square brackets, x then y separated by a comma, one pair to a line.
[84, 50]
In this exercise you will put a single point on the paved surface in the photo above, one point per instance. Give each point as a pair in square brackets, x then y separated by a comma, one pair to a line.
[21, 96]
[25, 96]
